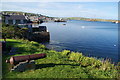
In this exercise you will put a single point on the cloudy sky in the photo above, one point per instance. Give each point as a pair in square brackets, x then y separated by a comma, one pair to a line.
[65, 8]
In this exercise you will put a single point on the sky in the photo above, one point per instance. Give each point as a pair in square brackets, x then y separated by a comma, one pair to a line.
[59, 0]
[103, 10]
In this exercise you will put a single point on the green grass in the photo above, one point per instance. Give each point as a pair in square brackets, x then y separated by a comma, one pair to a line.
[65, 64]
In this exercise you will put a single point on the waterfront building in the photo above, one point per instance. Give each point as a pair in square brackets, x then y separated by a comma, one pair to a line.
[15, 19]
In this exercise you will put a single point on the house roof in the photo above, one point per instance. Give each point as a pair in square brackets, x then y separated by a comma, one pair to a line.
[15, 17]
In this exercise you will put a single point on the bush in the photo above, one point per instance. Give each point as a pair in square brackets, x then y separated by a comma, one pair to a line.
[75, 56]
[85, 61]
[11, 31]
[8, 32]
[89, 61]
[65, 52]
[106, 65]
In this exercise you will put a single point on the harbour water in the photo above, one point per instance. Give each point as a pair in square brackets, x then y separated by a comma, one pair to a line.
[97, 39]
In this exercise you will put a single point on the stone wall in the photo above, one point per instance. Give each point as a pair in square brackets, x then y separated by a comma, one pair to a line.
[40, 36]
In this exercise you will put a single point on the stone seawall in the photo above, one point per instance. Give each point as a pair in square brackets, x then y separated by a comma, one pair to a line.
[40, 36]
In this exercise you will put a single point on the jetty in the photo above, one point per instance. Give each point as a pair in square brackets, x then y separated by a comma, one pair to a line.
[39, 34]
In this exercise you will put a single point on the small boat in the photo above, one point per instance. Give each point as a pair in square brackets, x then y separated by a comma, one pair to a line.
[116, 22]
[64, 24]
[59, 20]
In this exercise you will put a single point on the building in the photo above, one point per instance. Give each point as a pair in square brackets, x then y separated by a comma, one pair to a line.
[33, 18]
[15, 19]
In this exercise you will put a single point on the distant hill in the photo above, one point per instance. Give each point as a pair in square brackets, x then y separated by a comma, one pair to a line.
[92, 19]
[68, 18]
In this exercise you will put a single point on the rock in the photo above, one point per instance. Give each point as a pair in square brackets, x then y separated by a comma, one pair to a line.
[23, 66]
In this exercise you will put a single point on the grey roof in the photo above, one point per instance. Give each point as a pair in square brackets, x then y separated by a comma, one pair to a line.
[15, 17]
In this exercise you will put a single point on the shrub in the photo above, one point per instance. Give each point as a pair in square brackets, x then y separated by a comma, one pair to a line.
[42, 46]
[11, 31]
[8, 32]
[33, 42]
[75, 56]
[65, 52]
[106, 65]
[89, 61]
[84, 61]
[21, 32]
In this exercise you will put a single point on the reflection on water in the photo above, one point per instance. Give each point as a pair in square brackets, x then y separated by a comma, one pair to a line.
[98, 39]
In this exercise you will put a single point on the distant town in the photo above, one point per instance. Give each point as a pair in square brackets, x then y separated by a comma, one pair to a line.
[10, 17]
[15, 18]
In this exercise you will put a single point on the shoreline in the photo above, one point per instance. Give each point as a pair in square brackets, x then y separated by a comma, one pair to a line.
[55, 61]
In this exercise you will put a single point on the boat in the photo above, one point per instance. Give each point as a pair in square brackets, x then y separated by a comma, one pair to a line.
[64, 24]
[59, 20]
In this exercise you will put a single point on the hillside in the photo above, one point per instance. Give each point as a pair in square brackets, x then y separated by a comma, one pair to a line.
[65, 64]
[67, 18]
[92, 19]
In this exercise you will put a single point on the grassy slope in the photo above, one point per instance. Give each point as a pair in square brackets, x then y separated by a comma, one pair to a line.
[63, 64]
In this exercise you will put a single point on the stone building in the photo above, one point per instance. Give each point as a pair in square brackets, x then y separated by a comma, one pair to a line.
[15, 19]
